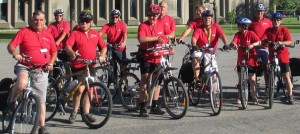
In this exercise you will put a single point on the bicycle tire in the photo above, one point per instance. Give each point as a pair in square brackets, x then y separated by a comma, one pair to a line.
[107, 77]
[175, 98]
[271, 86]
[243, 90]
[31, 117]
[105, 101]
[129, 91]
[52, 97]
[194, 94]
[216, 96]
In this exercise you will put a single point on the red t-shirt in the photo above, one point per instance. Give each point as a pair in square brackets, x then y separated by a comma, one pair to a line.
[244, 40]
[195, 23]
[40, 46]
[115, 33]
[259, 27]
[85, 44]
[280, 34]
[57, 29]
[202, 35]
[157, 29]
[169, 22]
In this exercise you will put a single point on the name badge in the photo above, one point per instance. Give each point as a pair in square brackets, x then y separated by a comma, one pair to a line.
[44, 50]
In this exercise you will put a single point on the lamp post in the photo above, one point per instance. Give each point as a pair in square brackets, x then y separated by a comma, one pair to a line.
[214, 8]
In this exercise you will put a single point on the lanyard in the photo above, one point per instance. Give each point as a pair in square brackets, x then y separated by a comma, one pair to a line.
[207, 31]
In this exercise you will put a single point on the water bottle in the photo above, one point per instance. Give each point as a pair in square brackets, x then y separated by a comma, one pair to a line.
[71, 86]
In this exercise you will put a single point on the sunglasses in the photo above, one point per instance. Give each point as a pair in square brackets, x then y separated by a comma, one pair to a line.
[86, 21]
[152, 15]
[59, 15]
[115, 17]
[276, 19]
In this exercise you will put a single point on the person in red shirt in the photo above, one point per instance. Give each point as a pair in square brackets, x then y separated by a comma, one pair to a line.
[207, 34]
[242, 41]
[116, 31]
[166, 18]
[281, 36]
[194, 23]
[83, 43]
[259, 25]
[34, 41]
[152, 32]
[60, 30]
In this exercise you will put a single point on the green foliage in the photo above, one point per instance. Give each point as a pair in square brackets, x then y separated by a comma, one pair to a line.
[289, 6]
[231, 16]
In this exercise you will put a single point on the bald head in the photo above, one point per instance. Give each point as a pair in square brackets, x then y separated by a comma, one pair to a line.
[164, 7]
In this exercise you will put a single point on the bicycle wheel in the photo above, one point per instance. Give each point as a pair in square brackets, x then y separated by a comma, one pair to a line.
[26, 117]
[129, 91]
[106, 76]
[100, 105]
[243, 90]
[175, 98]
[194, 95]
[52, 103]
[216, 93]
[271, 86]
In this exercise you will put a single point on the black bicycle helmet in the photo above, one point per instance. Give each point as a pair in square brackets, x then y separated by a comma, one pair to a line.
[86, 15]
[115, 12]
[58, 11]
[260, 7]
[244, 22]
[207, 13]
[276, 16]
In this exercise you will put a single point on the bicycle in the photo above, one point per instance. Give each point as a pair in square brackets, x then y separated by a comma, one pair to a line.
[129, 84]
[210, 80]
[98, 95]
[25, 117]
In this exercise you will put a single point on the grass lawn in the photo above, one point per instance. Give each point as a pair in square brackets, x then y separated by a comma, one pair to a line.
[292, 23]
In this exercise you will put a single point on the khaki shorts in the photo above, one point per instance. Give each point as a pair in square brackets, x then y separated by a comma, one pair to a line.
[39, 80]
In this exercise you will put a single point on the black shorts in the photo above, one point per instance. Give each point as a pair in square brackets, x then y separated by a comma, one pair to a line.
[147, 67]
[63, 56]
[284, 67]
[250, 69]
[118, 55]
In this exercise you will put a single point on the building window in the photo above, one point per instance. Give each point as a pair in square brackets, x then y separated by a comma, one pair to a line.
[133, 8]
[118, 5]
[174, 7]
[38, 5]
[3, 10]
[87, 4]
[102, 8]
[21, 11]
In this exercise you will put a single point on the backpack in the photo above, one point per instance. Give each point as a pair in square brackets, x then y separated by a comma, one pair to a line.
[294, 66]
[186, 73]
[5, 87]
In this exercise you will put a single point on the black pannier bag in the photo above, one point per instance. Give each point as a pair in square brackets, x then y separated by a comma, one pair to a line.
[5, 87]
[295, 66]
[186, 72]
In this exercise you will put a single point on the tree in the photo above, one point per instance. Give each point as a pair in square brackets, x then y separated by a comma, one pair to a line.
[231, 16]
[72, 13]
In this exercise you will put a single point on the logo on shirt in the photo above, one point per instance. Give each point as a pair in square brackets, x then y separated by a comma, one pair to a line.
[45, 39]
[119, 30]
[167, 23]
[61, 28]
[93, 35]
[160, 33]
[265, 23]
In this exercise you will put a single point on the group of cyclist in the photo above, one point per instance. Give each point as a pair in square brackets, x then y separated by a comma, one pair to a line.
[43, 44]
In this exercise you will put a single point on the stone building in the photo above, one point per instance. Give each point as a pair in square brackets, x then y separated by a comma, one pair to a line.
[17, 13]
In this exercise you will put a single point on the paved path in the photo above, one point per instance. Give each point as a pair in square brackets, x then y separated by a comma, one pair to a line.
[281, 118]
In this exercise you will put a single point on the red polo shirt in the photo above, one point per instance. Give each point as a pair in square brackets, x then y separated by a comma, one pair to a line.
[115, 33]
[280, 34]
[259, 27]
[38, 45]
[85, 44]
[157, 29]
[169, 22]
[57, 29]
[195, 23]
[203, 35]
[244, 40]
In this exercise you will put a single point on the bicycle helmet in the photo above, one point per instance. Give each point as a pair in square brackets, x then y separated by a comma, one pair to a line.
[153, 9]
[244, 22]
[115, 12]
[260, 7]
[207, 13]
[86, 15]
[276, 16]
[58, 11]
